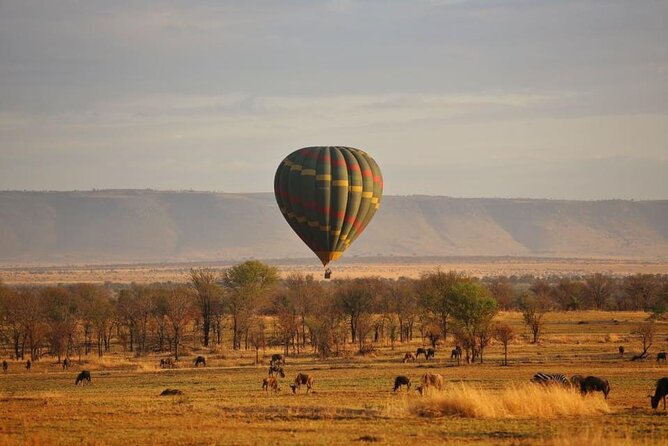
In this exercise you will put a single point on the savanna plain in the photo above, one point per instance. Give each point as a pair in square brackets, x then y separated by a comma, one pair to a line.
[352, 401]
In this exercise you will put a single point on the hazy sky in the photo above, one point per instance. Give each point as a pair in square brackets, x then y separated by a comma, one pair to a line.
[536, 98]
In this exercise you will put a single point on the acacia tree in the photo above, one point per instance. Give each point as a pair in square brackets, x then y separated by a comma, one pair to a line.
[598, 289]
[645, 332]
[502, 292]
[208, 295]
[473, 310]
[10, 310]
[354, 298]
[179, 312]
[403, 301]
[505, 334]
[533, 310]
[245, 284]
[436, 295]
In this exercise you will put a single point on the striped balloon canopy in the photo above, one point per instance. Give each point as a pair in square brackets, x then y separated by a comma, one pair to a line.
[328, 195]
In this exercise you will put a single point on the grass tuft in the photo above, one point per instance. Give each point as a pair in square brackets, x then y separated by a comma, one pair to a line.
[516, 401]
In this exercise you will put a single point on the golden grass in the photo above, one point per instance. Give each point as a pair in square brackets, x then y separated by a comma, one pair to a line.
[514, 401]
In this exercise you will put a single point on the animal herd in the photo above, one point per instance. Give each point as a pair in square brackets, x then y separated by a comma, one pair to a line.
[429, 380]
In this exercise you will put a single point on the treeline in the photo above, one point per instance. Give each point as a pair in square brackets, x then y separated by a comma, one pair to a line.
[249, 307]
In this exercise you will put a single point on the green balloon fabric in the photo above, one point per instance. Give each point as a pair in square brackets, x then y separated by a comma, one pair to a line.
[328, 195]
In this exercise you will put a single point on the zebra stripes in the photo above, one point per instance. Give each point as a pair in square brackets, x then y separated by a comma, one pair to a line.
[550, 378]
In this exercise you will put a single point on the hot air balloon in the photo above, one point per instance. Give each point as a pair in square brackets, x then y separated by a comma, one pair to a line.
[328, 195]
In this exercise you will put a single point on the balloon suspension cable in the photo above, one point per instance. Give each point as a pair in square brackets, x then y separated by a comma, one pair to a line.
[328, 273]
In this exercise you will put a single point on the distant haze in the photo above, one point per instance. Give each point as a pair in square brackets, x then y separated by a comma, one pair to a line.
[519, 98]
[151, 226]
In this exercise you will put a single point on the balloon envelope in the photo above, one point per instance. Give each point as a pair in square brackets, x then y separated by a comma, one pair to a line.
[328, 195]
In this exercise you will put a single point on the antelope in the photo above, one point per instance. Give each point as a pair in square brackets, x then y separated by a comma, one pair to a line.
[402, 381]
[302, 378]
[595, 384]
[83, 378]
[270, 382]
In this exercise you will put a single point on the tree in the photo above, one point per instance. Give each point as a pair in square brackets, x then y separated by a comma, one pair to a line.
[504, 334]
[533, 310]
[245, 284]
[354, 298]
[402, 300]
[179, 312]
[502, 292]
[640, 291]
[436, 294]
[568, 294]
[256, 337]
[598, 289]
[473, 310]
[301, 291]
[645, 332]
[61, 311]
[208, 293]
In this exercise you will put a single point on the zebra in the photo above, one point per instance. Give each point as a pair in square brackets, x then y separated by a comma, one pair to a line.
[550, 378]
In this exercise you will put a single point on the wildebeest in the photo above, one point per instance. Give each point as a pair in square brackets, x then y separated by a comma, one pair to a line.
[167, 363]
[300, 379]
[66, 363]
[409, 357]
[432, 380]
[28, 364]
[402, 381]
[277, 359]
[276, 369]
[661, 356]
[200, 360]
[421, 351]
[83, 378]
[430, 353]
[621, 351]
[5, 366]
[270, 383]
[171, 392]
[660, 392]
[595, 384]
[550, 378]
[576, 380]
[456, 353]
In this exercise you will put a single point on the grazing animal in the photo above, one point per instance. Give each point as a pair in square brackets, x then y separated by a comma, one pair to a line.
[28, 364]
[301, 379]
[621, 351]
[576, 380]
[456, 353]
[402, 381]
[595, 384]
[83, 378]
[660, 392]
[170, 392]
[550, 378]
[409, 357]
[420, 351]
[661, 356]
[430, 353]
[5, 366]
[66, 363]
[275, 369]
[167, 363]
[277, 359]
[200, 360]
[270, 383]
[432, 380]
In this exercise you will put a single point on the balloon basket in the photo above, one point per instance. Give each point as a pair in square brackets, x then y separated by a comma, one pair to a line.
[328, 273]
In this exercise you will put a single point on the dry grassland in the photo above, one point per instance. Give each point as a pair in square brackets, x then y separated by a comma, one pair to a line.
[353, 402]
[406, 267]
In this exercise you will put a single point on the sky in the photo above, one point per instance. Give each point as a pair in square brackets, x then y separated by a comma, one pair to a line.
[533, 99]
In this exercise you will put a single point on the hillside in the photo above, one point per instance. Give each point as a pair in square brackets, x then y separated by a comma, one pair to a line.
[153, 226]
